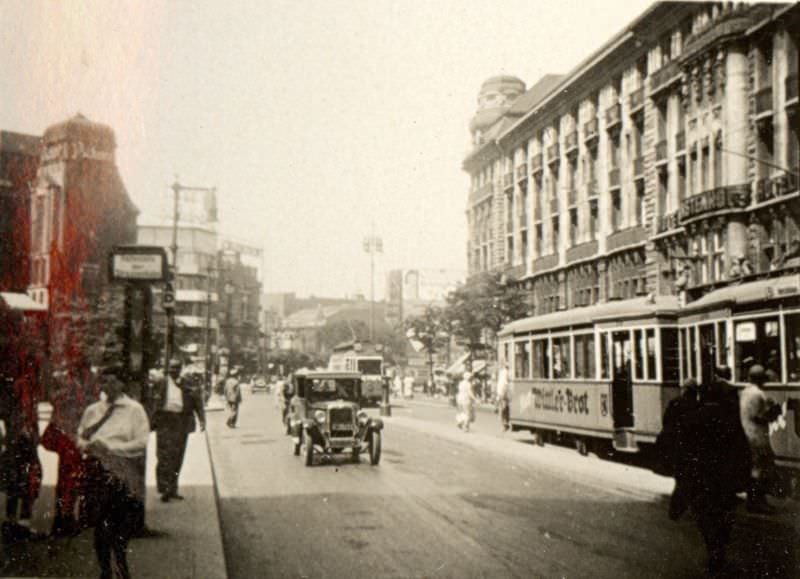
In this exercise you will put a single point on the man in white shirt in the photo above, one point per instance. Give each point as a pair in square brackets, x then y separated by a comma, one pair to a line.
[503, 394]
[113, 435]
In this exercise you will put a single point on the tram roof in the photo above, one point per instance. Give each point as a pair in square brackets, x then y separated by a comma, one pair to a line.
[749, 292]
[621, 309]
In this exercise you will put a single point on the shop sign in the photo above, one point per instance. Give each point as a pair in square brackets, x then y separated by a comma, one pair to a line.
[564, 401]
[774, 187]
[731, 197]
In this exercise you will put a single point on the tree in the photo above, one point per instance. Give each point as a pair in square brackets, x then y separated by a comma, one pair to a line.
[431, 331]
[482, 306]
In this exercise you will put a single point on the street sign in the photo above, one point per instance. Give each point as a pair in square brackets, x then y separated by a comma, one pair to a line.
[168, 297]
[138, 263]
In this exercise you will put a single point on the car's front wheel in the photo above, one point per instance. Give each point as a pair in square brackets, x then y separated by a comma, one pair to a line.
[374, 447]
[309, 449]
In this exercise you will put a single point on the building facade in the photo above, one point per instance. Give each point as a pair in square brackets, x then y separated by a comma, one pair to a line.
[664, 163]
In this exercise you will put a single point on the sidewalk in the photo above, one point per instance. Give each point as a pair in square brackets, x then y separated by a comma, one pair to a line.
[187, 542]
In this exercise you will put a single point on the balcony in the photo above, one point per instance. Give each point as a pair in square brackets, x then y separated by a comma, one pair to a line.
[553, 206]
[764, 102]
[536, 163]
[553, 154]
[613, 178]
[626, 237]
[668, 222]
[664, 77]
[590, 130]
[582, 251]
[613, 116]
[545, 262]
[680, 142]
[508, 180]
[638, 168]
[522, 171]
[791, 90]
[591, 188]
[661, 152]
[636, 100]
[571, 143]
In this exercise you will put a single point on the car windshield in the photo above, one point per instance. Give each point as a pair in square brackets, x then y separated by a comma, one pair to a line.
[334, 389]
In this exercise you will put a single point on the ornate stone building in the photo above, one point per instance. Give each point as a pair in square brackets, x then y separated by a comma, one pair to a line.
[665, 163]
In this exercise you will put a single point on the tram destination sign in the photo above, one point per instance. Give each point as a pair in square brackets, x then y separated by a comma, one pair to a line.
[139, 263]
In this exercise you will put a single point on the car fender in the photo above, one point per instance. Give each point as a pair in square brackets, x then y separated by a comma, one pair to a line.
[312, 430]
[376, 424]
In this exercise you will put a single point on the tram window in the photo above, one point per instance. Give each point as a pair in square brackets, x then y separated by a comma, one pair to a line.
[584, 356]
[669, 355]
[683, 357]
[792, 325]
[561, 357]
[650, 338]
[505, 352]
[522, 366]
[722, 344]
[638, 350]
[691, 352]
[541, 359]
[604, 361]
[758, 342]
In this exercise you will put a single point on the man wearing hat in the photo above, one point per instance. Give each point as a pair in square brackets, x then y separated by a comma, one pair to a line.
[756, 412]
[233, 396]
[182, 400]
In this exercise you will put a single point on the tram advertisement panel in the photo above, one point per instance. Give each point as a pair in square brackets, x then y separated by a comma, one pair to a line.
[584, 405]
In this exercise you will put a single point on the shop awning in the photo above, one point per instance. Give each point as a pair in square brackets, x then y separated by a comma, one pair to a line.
[21, 302]
[459, 366]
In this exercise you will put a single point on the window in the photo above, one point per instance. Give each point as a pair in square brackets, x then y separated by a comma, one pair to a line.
[722, 344]
[792, 325]
[573, 227]
[584, 356]
[541, 359]
[793, 146]
[640, 202]
[764, 63]
[616, 211]
[561, 358]
[692, 182]
[523, 250]
[663, 190]
[641, 69]
[593, 219]
[705, 169]
[718, 181]
[665, 45]
[681, 180]
[638, 353]
[717, 256]
[613, 152]
[650, 339]
[758, 342]
[604, 357]
[56, 212]
[669, 355]
[38, 241]
[556, 234]
[539, 240]
[522, 364]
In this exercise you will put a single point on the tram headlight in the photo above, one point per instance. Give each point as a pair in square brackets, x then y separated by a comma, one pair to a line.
[319, 416]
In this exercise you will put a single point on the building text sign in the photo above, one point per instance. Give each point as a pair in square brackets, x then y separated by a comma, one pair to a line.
[713, 200]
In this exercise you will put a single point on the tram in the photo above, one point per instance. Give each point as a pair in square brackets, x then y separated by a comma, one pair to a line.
[363, 358]
[603, 375]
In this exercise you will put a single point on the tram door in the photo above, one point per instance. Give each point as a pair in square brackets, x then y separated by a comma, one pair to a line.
[622, 384]
[708, 353]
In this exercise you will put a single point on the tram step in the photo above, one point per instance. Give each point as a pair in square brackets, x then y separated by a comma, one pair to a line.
[624, 441]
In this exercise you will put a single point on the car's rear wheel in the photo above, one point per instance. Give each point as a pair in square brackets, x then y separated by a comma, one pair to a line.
[374, 447]
[309, 449]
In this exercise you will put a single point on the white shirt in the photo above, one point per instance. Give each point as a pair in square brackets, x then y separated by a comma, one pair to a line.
[753, 406]
[464, 395]
[502, 383]
[174, 401]
[125, 433]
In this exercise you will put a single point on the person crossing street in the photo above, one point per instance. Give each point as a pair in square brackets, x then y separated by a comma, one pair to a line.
[233, 397]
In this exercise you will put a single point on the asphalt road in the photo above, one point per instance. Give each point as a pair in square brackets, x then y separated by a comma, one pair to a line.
[455, 505]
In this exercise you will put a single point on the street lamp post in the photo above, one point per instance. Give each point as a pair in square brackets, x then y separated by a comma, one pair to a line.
[372, 245]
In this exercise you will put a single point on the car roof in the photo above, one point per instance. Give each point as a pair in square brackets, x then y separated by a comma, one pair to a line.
[327, 374]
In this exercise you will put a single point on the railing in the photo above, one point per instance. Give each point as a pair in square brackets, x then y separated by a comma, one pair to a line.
[764, 101]
[791, 88]
[545, 262]
[582, 251]
[508, 180]
[553, 206]
[571, 142]
[613, 177]
[536, 163]
[552, 153]
[661, 151]
[613, 115]
[664, 76]
[522, 171]
[680, 141]
[625, 237]
[668, 222]
[636, 99]
[590, 129]
[638, 168]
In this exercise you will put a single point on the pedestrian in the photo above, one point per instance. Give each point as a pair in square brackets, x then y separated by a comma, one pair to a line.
[113, 435]
[503, 395]
[711, 452]
[465, 400]
[20, 470]
[667, 449]
[757, 411]
[233, 397]
[397, 383]
[181, 402]
[408, 385]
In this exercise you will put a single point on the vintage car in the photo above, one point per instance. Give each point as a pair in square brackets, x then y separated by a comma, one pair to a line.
[325, 417]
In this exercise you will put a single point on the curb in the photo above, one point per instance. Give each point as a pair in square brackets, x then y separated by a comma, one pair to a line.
[216, 502]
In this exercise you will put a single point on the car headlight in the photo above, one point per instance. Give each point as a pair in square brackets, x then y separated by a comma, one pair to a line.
[319, 416]
[363, 418]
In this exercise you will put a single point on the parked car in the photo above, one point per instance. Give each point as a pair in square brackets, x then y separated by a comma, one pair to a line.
[259, 384]
[325, 417]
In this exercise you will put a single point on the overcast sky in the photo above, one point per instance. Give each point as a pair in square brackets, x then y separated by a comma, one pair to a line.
[313, 119]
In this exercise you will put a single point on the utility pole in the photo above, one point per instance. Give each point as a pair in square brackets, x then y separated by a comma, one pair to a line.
[372, 245]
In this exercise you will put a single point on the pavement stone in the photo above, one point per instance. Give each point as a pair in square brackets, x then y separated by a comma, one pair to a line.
[187, 541]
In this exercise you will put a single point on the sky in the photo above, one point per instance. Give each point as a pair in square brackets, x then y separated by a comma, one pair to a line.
[315, 121]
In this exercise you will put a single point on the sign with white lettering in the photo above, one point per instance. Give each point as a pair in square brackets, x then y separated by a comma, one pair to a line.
[746, 332]
[584, 405]
[143, 264]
